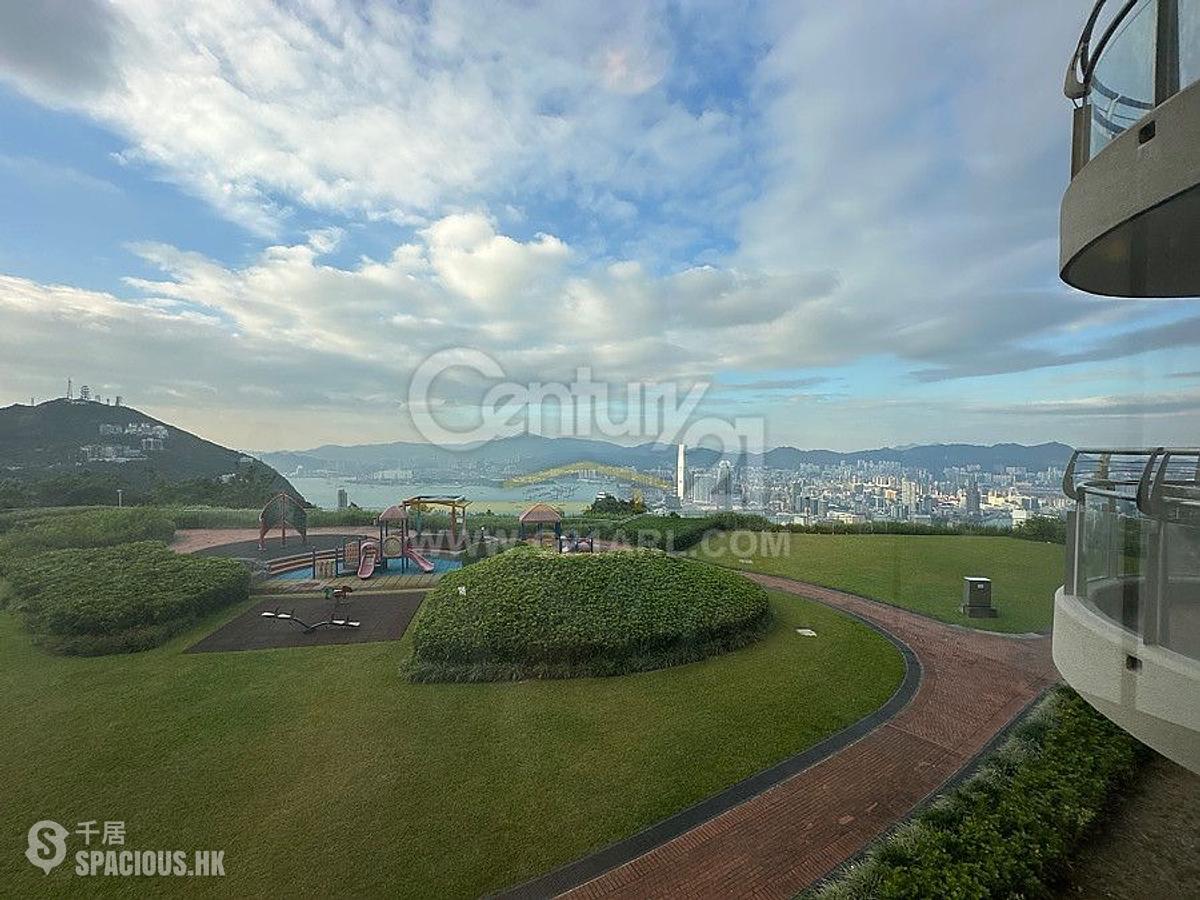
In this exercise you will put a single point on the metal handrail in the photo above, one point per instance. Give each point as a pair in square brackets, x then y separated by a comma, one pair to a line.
[1082, 66]
[1162, 481]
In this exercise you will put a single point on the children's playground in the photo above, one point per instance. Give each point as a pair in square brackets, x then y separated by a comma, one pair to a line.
[354, 586]
[398, 553]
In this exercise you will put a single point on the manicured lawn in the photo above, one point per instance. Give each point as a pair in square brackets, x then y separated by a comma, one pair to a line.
[923, 573]
[320, 771]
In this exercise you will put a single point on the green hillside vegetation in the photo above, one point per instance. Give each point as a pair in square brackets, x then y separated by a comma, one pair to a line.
[61, 453]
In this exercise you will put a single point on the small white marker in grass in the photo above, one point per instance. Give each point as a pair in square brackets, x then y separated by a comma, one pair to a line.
[806, 632]
[745, 562]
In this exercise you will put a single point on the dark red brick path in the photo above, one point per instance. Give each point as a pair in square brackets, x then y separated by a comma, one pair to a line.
[793, 834]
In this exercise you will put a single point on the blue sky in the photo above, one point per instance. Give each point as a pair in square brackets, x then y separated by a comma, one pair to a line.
[256, 219]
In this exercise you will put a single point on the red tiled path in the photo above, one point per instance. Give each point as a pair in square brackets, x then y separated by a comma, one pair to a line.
[788, 837]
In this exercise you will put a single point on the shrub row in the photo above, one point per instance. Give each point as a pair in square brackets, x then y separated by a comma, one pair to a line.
[218, 517]
[119, 599]
[1008, 830]
[530, 613]
[95, 527]
[671, 532]
[684, 532]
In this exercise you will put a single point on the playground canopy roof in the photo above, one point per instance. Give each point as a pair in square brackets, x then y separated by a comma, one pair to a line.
[394, 513]
[541, 512]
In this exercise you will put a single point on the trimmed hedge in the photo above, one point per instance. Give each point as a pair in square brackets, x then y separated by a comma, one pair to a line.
[1008, 830]
[120, 599]
[95, 527]
[674, 533]
[529, 613]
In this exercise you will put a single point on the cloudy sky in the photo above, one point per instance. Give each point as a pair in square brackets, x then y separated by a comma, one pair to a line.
[255, 219]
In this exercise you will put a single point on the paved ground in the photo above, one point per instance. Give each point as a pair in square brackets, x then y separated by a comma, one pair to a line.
[242, 543]
[414, 580]
[383, 617]
[248, 549]
[791, 835]
[1148, 844]
[194, 539]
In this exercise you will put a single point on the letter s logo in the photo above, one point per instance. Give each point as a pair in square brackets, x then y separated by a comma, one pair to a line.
[47, 845]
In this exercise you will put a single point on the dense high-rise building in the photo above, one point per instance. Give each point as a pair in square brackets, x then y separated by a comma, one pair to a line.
[703, 485]
[973, 499]
[680, 473]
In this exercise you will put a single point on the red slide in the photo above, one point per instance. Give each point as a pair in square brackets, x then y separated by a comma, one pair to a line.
[366, 563]
[422, 563]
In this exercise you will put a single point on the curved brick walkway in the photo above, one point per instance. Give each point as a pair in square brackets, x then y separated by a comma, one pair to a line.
[793, 834]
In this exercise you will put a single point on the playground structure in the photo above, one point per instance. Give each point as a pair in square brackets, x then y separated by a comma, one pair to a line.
[414, 509]
[282, 511]
[339, 597]
[398, 527]
[400, 524]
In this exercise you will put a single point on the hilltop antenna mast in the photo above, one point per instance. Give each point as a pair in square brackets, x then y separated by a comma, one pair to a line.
[68, 388]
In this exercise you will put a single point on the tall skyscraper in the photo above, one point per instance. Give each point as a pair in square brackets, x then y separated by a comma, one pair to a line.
[973, 499]
[680, 472]
[702, 487]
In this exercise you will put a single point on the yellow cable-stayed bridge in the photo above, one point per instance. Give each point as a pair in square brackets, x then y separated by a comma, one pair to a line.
[617, 473]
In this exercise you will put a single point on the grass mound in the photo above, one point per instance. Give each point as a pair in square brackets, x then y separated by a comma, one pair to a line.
[535, 614]
[120, 599]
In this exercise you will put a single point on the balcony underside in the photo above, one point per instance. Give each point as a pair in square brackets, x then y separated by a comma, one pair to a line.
[1131, 216]
[1151, 691]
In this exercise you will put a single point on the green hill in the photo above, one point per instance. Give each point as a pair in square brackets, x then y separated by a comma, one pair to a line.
[65, 452]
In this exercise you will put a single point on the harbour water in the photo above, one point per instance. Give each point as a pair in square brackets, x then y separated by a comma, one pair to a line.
[571, 495]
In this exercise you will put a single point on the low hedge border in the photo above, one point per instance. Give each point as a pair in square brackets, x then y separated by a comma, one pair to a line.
[1009, 829]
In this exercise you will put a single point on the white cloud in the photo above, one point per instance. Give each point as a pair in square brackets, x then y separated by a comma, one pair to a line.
[654, 192]
[375, 109]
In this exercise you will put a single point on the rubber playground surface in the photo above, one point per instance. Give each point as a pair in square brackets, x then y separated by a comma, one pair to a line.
[381, 617]
[275, 550]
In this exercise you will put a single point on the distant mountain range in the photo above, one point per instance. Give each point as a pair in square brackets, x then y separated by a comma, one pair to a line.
[121, 446]
[529, 453]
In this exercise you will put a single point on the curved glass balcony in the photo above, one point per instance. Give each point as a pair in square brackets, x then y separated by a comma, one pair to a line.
[1131, 216]
[1127, 620]
[1132, 57]
[1121, 87]
[1141, 571]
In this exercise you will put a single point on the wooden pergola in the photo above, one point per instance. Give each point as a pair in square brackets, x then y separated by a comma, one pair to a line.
[456, 504]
